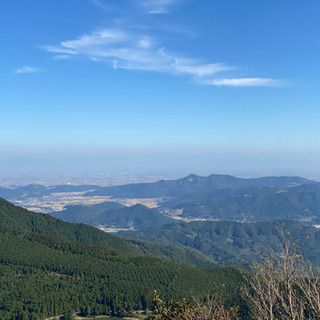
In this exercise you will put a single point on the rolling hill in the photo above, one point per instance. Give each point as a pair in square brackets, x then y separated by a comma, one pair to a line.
[251, 204]
[22, 220]
[230, 242]
[193, 184]
[91, 215]
[16, 218]
[136, 217]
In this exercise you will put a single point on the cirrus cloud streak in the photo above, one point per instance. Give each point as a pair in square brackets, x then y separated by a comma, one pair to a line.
[26, 69]
[123, 49]
[134, 52]
[243, 82]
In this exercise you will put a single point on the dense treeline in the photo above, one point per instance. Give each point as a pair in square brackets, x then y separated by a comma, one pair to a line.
[17, 218]
[182, 255]
[83, 270]
[251, 204]
[232, 242]
[42, 276]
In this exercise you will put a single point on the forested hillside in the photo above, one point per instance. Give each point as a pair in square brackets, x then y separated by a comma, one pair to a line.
[114, 215]
[231, 242]
[16, 218]
[43, 275]
[251, 204]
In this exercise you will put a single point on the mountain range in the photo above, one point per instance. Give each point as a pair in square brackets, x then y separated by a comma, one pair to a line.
[216, 197]
[163, 188]
[194, 184]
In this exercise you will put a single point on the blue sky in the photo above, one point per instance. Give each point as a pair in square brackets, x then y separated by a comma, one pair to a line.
[131, 85]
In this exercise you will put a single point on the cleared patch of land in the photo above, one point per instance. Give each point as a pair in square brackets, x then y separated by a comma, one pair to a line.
[57, 201]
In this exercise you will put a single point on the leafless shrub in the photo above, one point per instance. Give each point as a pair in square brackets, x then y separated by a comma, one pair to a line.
[284, 286]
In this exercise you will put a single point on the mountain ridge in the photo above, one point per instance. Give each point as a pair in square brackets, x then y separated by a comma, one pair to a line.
[192, 183]
[231, 242]
[22, 220]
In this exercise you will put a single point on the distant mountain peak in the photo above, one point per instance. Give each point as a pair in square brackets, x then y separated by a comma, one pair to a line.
[192, 178]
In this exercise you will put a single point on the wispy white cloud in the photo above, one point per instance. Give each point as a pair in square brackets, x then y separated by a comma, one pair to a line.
[243, 82]
[157, 6]
[61, 57]
[127, 50]
[124, 49]
[26, 69]
[134, 52]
